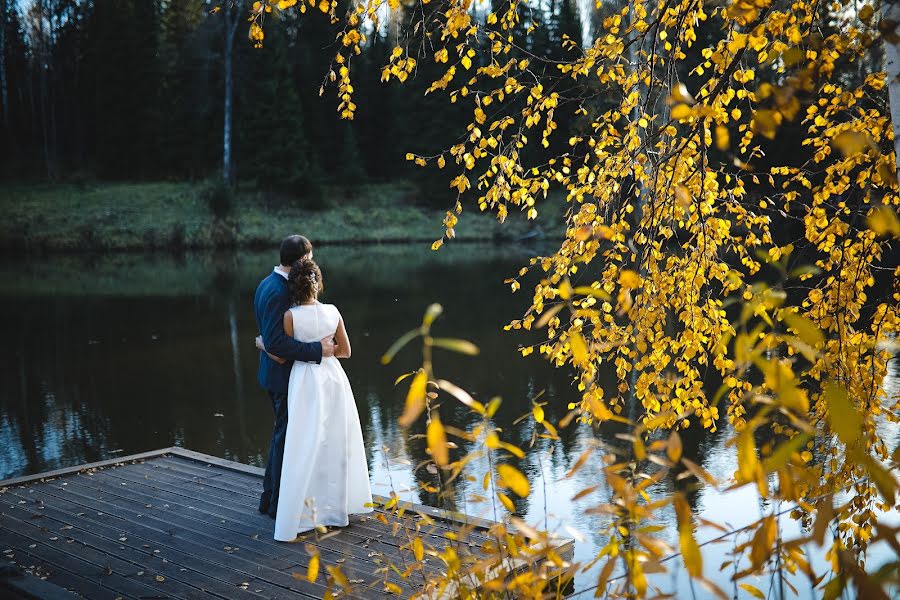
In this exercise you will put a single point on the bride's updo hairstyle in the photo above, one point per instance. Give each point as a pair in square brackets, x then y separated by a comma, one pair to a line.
[305, 281]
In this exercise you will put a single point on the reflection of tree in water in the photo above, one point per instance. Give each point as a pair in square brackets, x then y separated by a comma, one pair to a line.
[47, 404]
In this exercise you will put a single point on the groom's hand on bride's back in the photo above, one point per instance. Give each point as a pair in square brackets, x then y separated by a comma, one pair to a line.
[327, 347]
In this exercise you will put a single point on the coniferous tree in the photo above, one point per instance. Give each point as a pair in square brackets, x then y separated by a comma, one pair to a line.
[272, 148]
[185, 96]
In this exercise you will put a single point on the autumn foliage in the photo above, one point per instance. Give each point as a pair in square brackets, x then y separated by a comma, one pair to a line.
[731, 183]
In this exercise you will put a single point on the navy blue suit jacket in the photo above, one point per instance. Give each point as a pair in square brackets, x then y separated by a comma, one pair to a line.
[270, 303]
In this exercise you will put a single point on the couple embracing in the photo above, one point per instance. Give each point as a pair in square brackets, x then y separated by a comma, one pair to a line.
[316, 473]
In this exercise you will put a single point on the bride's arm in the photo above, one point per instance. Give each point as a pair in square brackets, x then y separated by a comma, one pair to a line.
[342, 347]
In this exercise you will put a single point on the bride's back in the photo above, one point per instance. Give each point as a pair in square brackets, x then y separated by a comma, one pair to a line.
[312, 322]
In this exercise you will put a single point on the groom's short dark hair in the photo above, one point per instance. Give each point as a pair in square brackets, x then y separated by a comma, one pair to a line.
[293, 248]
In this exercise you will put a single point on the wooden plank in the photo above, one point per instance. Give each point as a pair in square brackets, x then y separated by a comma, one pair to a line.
[381, 536]
[70, 470]
[105, 561]
[90, 522]
[198, 474]
[163, 467]
[261, 567]
[60, 577]
[214, 499]
[150, 494]
[213, 460]
[175, 513]
[210, 486]
[142, 558]
[85, 567]
[250, 483]
[354, 558]
[166, 523]
[29, 586]
[348, 541]
[165, 540]
[447, 515]
[234, 521]
[365, 532]
[172, 571]
[235, 467]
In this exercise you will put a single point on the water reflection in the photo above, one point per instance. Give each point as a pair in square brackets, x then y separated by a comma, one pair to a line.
[107, 356]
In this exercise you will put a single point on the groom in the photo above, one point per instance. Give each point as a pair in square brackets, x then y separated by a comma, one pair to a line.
[272, 300]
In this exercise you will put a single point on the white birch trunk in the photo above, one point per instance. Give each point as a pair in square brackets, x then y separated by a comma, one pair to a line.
[890, 13]
[232, 18]
[4, 92]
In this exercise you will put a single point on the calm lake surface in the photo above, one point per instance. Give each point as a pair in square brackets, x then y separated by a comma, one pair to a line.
[108, 356]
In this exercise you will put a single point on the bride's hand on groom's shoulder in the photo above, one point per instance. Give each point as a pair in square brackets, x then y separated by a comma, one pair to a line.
[259, 344]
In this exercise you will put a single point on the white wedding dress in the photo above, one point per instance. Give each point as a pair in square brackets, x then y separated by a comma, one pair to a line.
[324, 477]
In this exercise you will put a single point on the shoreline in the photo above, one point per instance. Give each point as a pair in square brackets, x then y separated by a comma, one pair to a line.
[48, 219]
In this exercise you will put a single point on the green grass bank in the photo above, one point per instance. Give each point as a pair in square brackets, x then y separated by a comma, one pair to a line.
[159, 216]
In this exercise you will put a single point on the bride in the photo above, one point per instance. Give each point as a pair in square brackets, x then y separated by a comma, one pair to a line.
[324, 478]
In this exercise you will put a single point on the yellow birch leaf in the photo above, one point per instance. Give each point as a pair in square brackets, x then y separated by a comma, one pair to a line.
[885, 481]
[681, 94]
[507, 502]
[673, 449]
[681, 111]
[842, 415]
[513, 479]
[547, 315]
[579, 348]
[638, 578]
[437, 441]
[883, 220]
[690, 550]
[418, 549]
[338, 576]
[753, 591]
[640, 451]
[629, 279]
[312, 571]
[538, 412]
[852, 142]
[765, 123]
[806, 329]
[415, 400]
[763, 540]
[748, 463]
[723, 140]
[455, 345]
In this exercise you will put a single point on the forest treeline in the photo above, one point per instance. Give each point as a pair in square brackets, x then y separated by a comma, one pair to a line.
[134, 90]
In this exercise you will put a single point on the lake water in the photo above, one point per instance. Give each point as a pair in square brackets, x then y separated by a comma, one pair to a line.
[106, 356]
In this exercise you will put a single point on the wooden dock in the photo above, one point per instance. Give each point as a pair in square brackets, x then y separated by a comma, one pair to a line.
[179, 524]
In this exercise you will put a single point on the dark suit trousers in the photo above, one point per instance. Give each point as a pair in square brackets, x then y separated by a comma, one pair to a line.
[268, 503]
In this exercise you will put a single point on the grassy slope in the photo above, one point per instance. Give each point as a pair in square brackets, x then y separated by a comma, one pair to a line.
[164, 215]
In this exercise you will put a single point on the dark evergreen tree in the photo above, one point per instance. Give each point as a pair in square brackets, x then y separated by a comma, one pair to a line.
[186, 96]
[350, 164]
[272, 148]
[17, 148]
